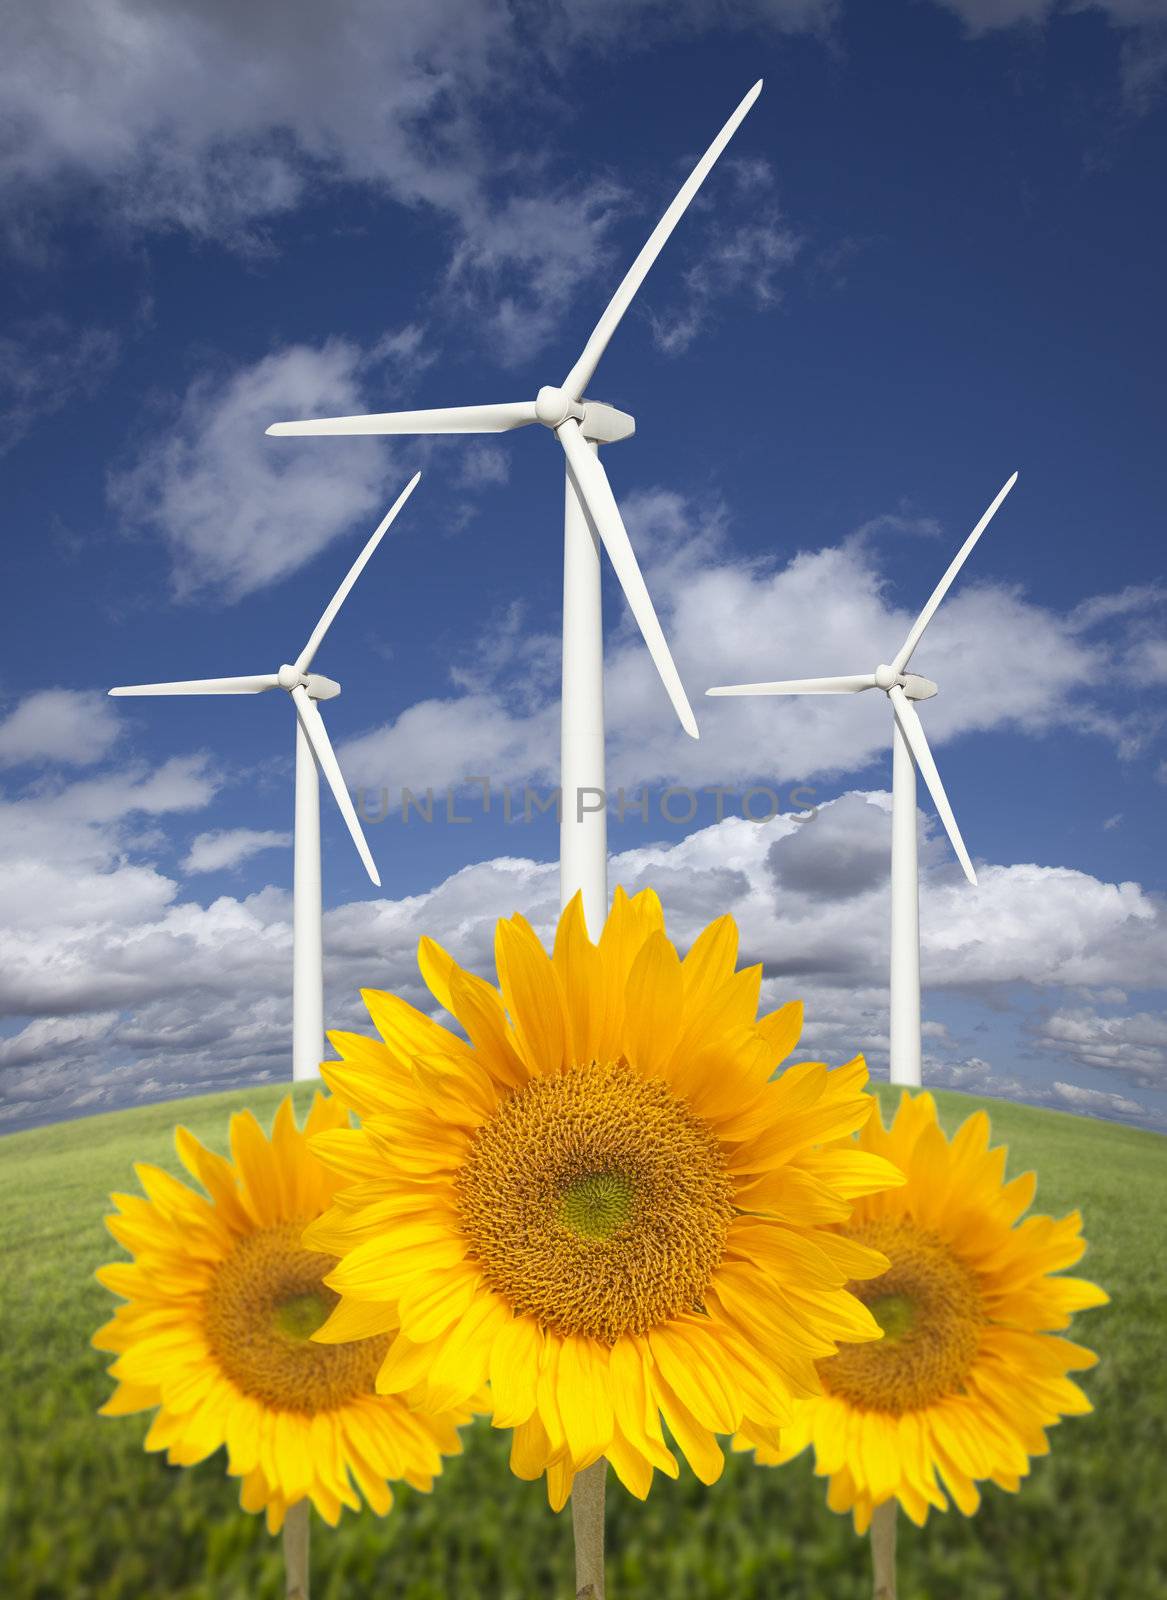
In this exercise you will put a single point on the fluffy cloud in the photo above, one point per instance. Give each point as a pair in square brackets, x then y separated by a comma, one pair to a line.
[1134, 1046]
[1002, 661]
[224, 848]
[240, 510]
[123, 1000]
[72, 727]
[217, 120]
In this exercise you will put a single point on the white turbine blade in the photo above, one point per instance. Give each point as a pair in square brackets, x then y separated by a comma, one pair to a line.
[254, 685]
[913, 731]
[446, 419]
[304, 659]
[317, 735]
[852, 685]
[580, 375]
[946, 582]
[595, 492]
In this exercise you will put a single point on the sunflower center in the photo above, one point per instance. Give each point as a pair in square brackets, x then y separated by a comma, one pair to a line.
[930, 1309]
[596, 1202]
[264, 1303]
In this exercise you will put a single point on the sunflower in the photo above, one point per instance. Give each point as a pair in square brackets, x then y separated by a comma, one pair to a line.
[599, 1200]
[221, 1298]
[969, 1373]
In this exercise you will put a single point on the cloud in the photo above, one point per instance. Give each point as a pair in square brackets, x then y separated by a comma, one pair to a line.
[1002, 661]
[1134, 1046]
[218, 121]
[225, 848]
[73, 727]
[215, 119]
[45, 364]
[170, 996]
[239, 510]
[1098, 1102]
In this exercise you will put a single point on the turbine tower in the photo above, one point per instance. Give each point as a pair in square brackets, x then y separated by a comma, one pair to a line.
[591, 518]
[314, 754]
[910, 753]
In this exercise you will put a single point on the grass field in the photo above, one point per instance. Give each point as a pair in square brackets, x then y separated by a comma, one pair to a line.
[87, 1515]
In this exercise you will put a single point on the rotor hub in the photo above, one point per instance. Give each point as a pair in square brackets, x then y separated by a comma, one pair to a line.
[553, 406]
[289, 678]
[886, 677]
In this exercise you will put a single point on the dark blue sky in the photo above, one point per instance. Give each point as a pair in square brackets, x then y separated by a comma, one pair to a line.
[934, 253]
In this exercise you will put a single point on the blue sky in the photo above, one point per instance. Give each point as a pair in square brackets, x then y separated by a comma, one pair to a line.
[933, 254]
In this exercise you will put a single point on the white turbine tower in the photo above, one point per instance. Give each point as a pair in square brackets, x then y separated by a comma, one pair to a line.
[909, 752]
[590, 512]
[314, 754]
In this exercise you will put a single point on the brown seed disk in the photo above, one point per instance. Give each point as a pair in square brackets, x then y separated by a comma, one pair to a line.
[266, 1298]
[596, 1202]
[930, 1308]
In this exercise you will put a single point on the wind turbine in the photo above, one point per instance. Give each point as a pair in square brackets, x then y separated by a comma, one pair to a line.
[909, 752]
[590, 514]
[314, 754]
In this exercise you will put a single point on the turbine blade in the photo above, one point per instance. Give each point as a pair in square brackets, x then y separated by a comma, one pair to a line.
[253, 685]
[580, 375]
[304, 659]
[446, 419]
[913, 731]
[852, 685]
[595, 493]
[946, 582]
[317, 735]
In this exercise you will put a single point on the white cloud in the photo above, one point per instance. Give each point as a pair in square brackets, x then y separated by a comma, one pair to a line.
[1002, 661]
[201, 992]
[218, 120]
[1098, 1102]
[73, 727]
[239, 510]
[1134, 1046]
[225, 848]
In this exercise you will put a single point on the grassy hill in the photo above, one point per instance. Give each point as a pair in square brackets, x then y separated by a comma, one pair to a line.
[89, 1516]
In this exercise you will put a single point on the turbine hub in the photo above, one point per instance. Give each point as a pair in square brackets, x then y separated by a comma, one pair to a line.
[553, 406]
[886, 677]
[289, 678]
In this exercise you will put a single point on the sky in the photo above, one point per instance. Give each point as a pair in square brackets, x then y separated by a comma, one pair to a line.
[932, 255]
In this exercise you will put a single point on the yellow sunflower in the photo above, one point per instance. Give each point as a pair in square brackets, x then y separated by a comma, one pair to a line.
[602, 1201]
[220, 1300]
[969, 1373]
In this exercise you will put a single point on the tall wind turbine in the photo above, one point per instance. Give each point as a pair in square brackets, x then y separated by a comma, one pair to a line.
[909, 752]
[314, 754]
[590, 513]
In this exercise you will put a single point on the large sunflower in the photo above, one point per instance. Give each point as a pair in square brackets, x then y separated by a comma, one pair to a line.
[220, 1300]
[969, 1373]
[602, 1202]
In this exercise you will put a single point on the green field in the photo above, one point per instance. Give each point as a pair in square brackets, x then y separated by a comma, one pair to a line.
[87, 1515]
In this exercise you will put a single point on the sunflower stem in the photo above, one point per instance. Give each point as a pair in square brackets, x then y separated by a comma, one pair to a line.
[883, 1550]
[296, 1537]
[587, 1521]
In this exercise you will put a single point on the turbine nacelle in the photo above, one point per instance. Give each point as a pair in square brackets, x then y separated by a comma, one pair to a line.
[577, 424]
[318, 686]
[304, 687]
[913, 685]
[901, 687]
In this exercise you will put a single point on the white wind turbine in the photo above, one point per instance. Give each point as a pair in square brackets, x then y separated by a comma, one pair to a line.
[314, 754]
[909, 752]
[590, 511]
